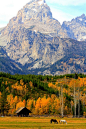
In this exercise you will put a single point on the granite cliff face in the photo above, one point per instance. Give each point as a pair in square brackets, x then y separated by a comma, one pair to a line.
[39, 43]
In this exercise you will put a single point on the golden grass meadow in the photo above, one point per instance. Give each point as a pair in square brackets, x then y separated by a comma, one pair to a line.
[40, 123]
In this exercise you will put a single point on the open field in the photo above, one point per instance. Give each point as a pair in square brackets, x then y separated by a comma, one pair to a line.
[40, 123]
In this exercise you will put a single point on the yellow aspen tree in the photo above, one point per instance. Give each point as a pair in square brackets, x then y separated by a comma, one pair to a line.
[66, 110]
[21, 82]
[15, 101]
[38, 106]
[50, 84]
[45, 103]
[24, 102]
[57, 105]
[48, 105]
[53, 96]
[31, 105]
[20, 104]
[31, 84]
[6, 83]
[10, 101]
[0, 94]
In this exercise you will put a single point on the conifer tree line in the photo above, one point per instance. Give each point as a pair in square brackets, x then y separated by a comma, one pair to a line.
[61, 95]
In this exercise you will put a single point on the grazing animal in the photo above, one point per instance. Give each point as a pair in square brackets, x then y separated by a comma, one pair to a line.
[63, 121]
[53, 120]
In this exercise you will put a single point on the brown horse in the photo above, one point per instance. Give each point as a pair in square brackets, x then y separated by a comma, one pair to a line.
[54, 120]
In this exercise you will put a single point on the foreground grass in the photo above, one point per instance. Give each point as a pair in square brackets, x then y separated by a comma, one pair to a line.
[40, 123]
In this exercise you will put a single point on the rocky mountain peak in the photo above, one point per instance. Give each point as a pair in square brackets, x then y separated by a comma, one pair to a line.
[81, 19]
[40, 1]
[36, 16]
[36, 10]
[83, 15]
[76, 28]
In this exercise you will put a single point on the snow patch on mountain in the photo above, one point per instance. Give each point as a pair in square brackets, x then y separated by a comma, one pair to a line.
[41, 2]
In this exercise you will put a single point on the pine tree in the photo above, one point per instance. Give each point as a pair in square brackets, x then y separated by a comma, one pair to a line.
[4, 106]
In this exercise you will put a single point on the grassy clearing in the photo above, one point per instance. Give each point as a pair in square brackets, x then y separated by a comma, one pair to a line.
[40, 123]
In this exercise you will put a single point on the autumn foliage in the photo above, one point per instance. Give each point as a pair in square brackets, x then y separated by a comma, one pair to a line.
[51, 95]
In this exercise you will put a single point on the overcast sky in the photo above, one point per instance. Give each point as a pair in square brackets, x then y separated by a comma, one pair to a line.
[62, 10]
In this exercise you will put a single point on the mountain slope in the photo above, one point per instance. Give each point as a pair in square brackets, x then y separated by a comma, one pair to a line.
[7, 65]
[74, 60]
